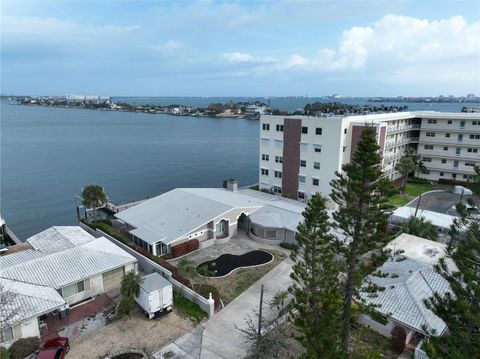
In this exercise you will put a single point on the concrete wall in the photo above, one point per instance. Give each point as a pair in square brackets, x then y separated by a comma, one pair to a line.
[385, 330]
[93, 286]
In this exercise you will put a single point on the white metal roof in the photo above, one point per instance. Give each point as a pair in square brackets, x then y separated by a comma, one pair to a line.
[174, 214]
[439, 220]
[26, 300]
[408, 283]
[154, 281]
[18, 257]
[58, 238]
[62, 268]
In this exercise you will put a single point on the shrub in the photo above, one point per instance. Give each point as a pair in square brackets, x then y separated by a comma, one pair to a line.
[4, 354]
[205, 289]
[290, 246]
[185, 247]
[398, 339]
[24, 347]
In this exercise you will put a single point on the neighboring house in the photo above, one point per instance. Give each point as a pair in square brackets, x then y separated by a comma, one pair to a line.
[406, 279]
[441, 221]
[63, 266]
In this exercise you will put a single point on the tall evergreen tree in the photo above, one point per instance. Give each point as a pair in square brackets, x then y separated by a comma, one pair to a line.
[316, 288]
[460, 310]
[361, 193]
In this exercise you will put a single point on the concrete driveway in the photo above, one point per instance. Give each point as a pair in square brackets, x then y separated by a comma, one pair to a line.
[220, 338]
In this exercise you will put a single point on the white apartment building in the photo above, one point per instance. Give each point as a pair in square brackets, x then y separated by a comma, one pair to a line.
[300, 154]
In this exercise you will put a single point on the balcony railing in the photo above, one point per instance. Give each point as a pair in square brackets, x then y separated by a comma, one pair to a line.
[402, 128]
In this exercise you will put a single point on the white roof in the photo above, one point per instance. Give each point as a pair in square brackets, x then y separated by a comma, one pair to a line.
[59, 238]
[439, 220]
[418, 248]
[27, 300]
[174, 214]
[154, 281]
[62, 268]
[18, 257]
[408, 283]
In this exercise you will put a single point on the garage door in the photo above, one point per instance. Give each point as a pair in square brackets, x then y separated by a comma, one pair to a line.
[112, 279]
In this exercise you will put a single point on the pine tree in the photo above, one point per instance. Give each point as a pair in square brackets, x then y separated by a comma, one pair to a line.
[361, 193]
[316, 286]
[460, 310]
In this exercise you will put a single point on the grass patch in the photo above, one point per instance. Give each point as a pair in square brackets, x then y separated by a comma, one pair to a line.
[187, 308]
[412, 190]
[368, 344]
[289, 246]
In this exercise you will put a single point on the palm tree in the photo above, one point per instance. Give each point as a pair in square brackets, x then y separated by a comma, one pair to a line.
[129, 290]
[420, 227]
[94, 196]
[405, 166]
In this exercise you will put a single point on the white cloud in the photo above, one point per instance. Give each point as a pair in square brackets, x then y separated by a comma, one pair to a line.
[244, 57]
[168, 47]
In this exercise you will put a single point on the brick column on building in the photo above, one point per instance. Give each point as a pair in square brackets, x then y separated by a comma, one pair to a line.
[292, 132]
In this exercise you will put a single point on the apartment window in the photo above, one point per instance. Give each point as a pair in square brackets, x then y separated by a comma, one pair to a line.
[449, 122]
[265, 157]
[475, 123]
[444, 160]
[303, 163]
[72, 289]
[465, 177]
[458, 150]
[462, 124]
[455, 164]
[279, 159]
[344, 148]
[318, 148]
[470, 164]
[266, 127]
[277, 189]
[472, 150]
[316, 165]
[318, 131]
[428, 147]
[460, 138]
[264, 171]
[441, 174]
[6, 335]
[305, 130]
[279, 128]
[475, 137]
[427, 159]
[445, 148]
[454, 175]
[315, 181]
[432, 134]
[447, 135]
[277, 174]
[345, 131]
[301, 195]
[301, 178]
[432, 120]
[425, 171]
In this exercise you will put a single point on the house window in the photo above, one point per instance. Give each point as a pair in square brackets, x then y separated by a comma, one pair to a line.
[270, 233]
[428, 147]
[472, 150]
[73, 289]
[305, 130]
[446, 135]
[303, 163]
[432, 120]
[444, 160]
[277, 189]
[264, 171]
[318, 148]
[6, 335]
[266, 127]
[445, 148]
[315, 181]
[318, 131]
[316, 165]
[279, 128]
[441, 174]
[301, 195]
[278, 159]
[301, 179]
[162, 248]
[277, 174]
[265, 157]
[432, 134]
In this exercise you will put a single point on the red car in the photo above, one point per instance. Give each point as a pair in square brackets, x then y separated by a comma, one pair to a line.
[54, 349]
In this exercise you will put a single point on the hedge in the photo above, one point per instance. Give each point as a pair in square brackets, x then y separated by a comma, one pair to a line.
[23, 347]
[185, 247]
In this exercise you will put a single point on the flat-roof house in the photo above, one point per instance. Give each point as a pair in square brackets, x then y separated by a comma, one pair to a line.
[441, 221]
[406, 279]
[63, 266]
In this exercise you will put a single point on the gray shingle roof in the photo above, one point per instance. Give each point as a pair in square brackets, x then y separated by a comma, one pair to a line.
[409, 282]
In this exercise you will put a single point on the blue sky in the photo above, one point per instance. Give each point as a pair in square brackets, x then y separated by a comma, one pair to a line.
[240, 48]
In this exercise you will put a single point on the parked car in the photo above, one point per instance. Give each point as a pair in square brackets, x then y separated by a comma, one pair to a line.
[54, 349]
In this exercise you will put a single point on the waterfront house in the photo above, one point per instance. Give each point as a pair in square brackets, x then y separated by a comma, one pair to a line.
[56, 269]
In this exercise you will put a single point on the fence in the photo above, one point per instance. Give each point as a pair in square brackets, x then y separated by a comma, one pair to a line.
[149, 266]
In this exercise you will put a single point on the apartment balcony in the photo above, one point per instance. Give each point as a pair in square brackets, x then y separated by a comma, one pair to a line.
[402, 128]
[403, 141]
[392, 157]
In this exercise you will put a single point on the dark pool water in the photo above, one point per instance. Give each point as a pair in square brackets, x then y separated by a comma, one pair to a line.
[226, 263]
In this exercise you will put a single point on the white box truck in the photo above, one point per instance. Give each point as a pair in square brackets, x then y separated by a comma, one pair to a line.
[155, 295]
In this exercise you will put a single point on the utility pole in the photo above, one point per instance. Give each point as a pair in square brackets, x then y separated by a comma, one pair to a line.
[260, 316]
[418, 205]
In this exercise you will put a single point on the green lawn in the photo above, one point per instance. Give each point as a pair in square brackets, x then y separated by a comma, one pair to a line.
[412, 190]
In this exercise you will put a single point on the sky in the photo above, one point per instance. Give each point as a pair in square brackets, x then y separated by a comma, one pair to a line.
[240, 48]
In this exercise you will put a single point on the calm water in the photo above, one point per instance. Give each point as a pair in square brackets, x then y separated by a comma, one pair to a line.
[48, 154]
